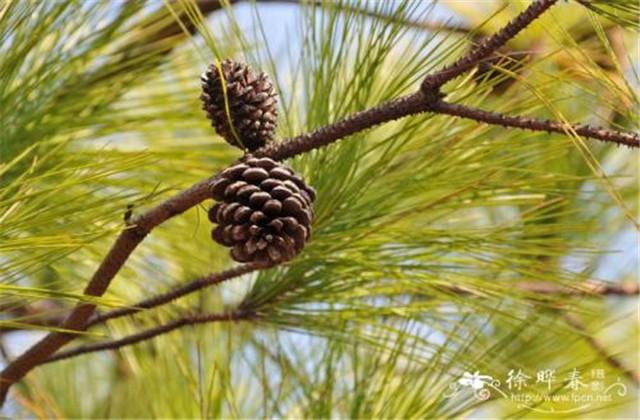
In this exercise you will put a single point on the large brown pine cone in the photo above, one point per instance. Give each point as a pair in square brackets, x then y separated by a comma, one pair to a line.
[253, 106]
[264, 212]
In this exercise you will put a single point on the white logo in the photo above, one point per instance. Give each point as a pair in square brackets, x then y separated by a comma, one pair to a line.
[577, 390]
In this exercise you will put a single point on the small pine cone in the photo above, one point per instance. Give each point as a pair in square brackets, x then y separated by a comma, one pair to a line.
[253, 106]
[264, 211]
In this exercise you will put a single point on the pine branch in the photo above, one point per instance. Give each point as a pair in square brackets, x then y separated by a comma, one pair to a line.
[587, 289]
[42, 318]
[526, 123]
[388, 111]
[487, 47]
[193, 319]
[43, 313]
[596, 345]
[590, 288]
[193, 286]
[120, 251]
[129, 239]
[243, 315]
[417, 103]
[4, 352]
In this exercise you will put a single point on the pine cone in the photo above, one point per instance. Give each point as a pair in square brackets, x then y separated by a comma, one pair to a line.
[253, 106]
[264, 212]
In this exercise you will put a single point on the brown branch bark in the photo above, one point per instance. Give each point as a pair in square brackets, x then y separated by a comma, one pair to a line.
[387, 111]
[527, 123]
[37, 314]
[242, 315]
[193, 319]
[600, 348]
[177, 292]
[487, 47]
[588, 289]
[44, 319]
[417, 103]
[124, 245]
[42, 323]
[4, 352]
[129, 239]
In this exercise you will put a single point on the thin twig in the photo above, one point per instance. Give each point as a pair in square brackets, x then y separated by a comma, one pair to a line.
[40, 320]
[526, 123]
[193, 319]
[586, 289]
[243, 315]
[177, 292]
[601, 349]
[487, 47]
[120, 251]
[590, 288]
[44, 313]
[4, 352]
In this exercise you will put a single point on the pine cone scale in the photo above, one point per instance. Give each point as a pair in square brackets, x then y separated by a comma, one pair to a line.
[264, 210]
[252, 104]
[260, 217]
